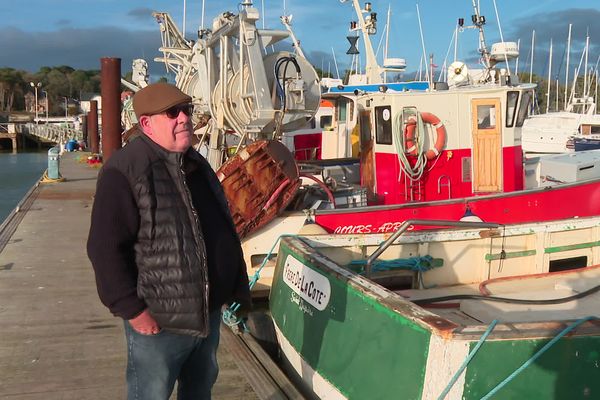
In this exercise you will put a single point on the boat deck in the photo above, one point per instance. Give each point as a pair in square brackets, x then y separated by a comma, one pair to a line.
[477, 311]
[57, 340]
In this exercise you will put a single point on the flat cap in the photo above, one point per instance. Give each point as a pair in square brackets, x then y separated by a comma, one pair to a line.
[158, 97]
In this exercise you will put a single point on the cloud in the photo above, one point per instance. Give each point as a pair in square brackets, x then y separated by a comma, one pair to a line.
[142, 13]
[63, 22]
[555, 26]
[78, 48]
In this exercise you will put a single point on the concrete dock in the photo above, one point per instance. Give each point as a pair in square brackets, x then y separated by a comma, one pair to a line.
[57, 341]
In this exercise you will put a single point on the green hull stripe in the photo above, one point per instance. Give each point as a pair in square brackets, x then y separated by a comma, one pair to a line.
[355, 336]
[511, 254]
[577, 246]
[569, 370]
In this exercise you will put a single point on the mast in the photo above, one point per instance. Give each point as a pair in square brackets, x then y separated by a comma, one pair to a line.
[423, 44]
[567, 69]
[183, 25]
[501, 37]
[549, 79]
[517, 60]
[372, 69]
[585, 75]
[202, 17]
[532, 54]
[557, 93]
[479, 22]
[387, 40]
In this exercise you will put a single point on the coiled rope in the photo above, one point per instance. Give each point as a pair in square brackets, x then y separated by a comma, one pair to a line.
[414, 173]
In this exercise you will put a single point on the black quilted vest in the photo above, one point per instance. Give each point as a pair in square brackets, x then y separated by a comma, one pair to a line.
[169, 253]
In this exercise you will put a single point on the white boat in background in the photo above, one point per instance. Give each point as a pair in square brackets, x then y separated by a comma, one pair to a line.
[552, 132]
[556, 132]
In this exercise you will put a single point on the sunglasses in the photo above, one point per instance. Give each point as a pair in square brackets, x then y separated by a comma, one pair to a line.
[174, 111]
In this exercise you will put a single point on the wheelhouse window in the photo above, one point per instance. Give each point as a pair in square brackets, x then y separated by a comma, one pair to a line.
[524, 108]
[511, 107]
[383, 125]
[586, 129]
[341, 109]
[326, 122]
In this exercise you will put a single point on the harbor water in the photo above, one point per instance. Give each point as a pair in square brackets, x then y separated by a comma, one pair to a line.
[18, 173]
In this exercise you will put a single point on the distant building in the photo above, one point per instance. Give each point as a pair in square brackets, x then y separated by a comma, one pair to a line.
[85, 102]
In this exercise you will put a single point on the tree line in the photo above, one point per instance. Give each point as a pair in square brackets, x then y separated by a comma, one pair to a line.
[56, 82]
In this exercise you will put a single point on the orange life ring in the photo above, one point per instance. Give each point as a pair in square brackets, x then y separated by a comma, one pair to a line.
[440, 141]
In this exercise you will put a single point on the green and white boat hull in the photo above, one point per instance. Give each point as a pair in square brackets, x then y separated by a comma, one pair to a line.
[347, 337]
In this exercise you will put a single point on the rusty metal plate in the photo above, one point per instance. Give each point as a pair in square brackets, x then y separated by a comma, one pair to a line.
[259, 182]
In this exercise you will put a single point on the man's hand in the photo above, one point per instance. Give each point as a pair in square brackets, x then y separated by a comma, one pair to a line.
[145, 324]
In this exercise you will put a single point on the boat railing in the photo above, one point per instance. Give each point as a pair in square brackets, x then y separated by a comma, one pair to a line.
[423, 222]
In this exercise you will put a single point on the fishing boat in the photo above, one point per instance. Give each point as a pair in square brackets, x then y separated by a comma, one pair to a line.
[451, 151]
[509, 311]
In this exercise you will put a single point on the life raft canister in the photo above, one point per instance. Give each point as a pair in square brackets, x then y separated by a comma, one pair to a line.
[409, 135]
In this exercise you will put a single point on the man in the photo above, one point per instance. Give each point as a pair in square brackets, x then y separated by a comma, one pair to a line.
[165, 251]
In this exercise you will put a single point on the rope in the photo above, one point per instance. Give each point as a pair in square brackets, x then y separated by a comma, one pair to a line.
[537, 355]
[419, 264]
[414, 173]
[46, 179]
[229, 317]
[467, 360]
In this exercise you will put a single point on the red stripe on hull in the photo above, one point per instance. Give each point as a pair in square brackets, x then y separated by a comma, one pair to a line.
[538, 205]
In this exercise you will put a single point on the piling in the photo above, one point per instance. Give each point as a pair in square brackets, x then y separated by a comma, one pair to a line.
[84, 130]
[92, 125]
[110, 89]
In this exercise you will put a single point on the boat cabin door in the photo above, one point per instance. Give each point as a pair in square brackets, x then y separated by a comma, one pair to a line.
[344, 115]
[487, 145]
[367, 155]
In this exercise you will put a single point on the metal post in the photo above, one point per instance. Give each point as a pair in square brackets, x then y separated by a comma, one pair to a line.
[110, 89]
[93, 128]
[35, 87]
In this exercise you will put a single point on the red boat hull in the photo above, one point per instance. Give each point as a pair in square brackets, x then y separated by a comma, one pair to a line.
[536, 205]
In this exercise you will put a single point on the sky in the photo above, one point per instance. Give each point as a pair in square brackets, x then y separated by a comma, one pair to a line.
[36, 33]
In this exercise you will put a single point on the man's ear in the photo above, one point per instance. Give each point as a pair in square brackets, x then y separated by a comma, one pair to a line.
[145, 124]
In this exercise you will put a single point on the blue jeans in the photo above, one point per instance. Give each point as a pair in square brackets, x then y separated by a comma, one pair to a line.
[155, 362]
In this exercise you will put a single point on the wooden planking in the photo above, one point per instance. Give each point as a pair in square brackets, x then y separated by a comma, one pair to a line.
[58, 340]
